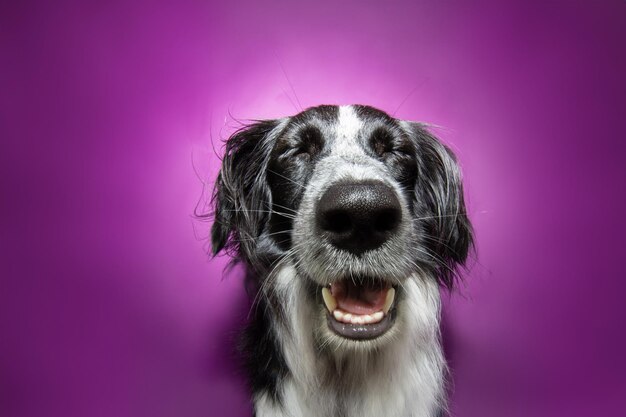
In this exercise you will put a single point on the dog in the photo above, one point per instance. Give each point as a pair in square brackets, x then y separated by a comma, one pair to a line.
[348, 221]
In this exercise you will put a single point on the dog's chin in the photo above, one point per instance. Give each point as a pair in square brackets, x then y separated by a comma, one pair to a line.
[358, 311]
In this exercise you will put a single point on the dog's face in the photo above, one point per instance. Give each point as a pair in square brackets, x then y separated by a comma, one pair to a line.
[357, 203]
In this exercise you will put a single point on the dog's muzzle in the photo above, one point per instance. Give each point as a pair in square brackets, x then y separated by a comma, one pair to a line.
[359, 217]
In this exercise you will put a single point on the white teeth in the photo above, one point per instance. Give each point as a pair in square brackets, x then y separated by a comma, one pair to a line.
[329, 300]
[350, 318]
[391, 293]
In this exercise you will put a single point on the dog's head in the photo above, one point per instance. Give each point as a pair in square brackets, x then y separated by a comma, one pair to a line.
[357, 203]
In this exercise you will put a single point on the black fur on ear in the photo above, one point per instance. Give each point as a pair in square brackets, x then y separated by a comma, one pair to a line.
[440, 206]
[241, 197]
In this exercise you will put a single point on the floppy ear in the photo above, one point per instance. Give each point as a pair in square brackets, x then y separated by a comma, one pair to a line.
[241, 196]
[440, 190]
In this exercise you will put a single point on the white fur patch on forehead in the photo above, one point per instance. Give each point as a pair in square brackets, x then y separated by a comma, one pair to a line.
[349, 123]
[348, 128]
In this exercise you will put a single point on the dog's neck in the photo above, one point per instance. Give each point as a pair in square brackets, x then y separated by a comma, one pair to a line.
[404, 377]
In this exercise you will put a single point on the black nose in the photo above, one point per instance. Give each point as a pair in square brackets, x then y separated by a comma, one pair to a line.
[358, 217]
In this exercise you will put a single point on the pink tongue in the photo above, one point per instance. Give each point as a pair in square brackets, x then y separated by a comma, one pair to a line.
[361, 299]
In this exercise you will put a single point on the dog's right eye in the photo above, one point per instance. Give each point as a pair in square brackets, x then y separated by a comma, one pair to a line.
[310, 143]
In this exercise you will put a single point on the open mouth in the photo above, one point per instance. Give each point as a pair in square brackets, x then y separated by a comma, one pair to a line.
[359, 310]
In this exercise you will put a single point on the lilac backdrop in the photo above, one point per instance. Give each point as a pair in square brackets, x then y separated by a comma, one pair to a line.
[109, 304]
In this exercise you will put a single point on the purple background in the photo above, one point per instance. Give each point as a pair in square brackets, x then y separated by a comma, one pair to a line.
[109, 304]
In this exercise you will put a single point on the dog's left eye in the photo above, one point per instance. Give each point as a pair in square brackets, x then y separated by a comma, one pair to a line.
[383, 143]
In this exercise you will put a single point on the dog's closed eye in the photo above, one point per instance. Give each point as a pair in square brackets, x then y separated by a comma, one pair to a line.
[310, 142]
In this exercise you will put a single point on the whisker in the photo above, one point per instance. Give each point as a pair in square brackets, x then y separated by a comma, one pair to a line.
[437, 260]
[441, 242]
[287, 178]
[254, 239]
[284, 207]
[280, 213]
[291, 216]
[289, 82]
[435, 217]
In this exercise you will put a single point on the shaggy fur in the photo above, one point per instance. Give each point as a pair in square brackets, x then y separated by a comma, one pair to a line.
[273, 176]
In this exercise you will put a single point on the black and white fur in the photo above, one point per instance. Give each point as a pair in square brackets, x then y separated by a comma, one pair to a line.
[273, 175]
